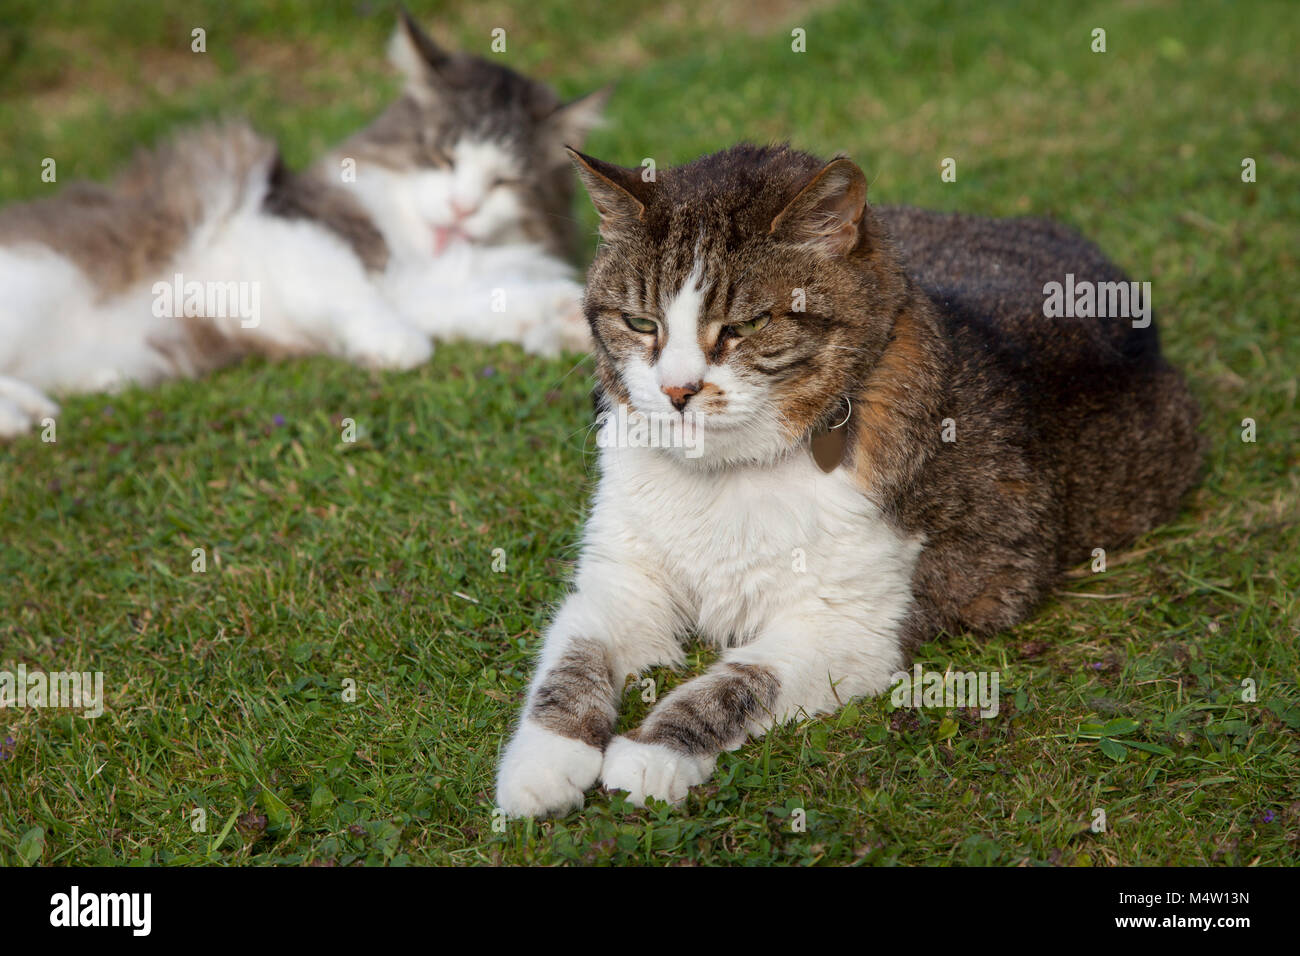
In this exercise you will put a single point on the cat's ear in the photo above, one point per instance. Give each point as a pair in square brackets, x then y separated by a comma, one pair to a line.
[618, 194]
[828, 210]
[571, 122]
[415, 54]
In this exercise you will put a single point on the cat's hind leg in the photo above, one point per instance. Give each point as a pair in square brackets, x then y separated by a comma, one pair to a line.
[22, 406]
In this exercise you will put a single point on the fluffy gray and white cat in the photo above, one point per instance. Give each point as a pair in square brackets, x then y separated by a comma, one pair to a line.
[448, 217]
[882, 437]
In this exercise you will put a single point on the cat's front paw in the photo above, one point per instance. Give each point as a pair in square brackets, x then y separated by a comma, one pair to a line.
[389, 346]
[14, 420]
[544, 774]
[562, 328]
[652, 770]
[22, 407]
[573, 330]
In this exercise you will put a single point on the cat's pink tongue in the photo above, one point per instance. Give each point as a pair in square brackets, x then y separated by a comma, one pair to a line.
[442, 238]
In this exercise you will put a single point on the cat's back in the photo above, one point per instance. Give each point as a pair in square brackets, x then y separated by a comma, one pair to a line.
[1112, 425]
[988, 277]
[982, 251]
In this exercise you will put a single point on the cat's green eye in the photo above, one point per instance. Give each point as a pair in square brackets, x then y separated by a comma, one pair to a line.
[639, 323]
[742, 329]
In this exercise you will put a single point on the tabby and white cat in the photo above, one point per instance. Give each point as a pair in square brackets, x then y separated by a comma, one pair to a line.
[820, 526]
[449, 216]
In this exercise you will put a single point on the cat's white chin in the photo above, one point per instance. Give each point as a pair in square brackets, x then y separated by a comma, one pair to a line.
[714, 447]
[543, 774]
[652, 770]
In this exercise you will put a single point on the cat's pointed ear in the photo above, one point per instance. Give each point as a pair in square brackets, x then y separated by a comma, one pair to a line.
[827, 212]
[571, 122]
[618, 194]
[415, 54]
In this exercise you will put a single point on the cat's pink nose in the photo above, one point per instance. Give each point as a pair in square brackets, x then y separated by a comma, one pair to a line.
[679, 395]
[462, 212]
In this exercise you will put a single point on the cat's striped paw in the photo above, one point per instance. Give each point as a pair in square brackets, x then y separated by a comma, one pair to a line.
[652, 770]
[544, 774]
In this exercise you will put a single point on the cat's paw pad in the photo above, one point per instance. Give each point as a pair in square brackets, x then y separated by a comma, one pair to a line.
[544, 774]
[390, 346]
[652, 770]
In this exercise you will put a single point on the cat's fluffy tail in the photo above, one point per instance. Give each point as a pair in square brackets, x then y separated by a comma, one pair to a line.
[204, 174]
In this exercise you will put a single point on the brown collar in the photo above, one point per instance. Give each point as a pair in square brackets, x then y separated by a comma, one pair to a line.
[828, 442]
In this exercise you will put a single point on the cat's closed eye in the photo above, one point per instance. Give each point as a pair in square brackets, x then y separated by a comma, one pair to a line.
[640, 323]
[435, 153]
[743, 329]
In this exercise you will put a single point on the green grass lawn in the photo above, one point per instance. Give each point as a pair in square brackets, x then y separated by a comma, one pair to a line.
[372, 562]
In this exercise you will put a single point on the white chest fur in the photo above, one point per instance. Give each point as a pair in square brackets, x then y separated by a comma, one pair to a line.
[748, 549]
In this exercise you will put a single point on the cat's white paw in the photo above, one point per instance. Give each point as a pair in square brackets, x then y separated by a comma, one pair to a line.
[562, 328]
[13, 420]
[110, 380]
[388, 345]
[572, 329]
[21, 407]
[652, 770]
[544, 774]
